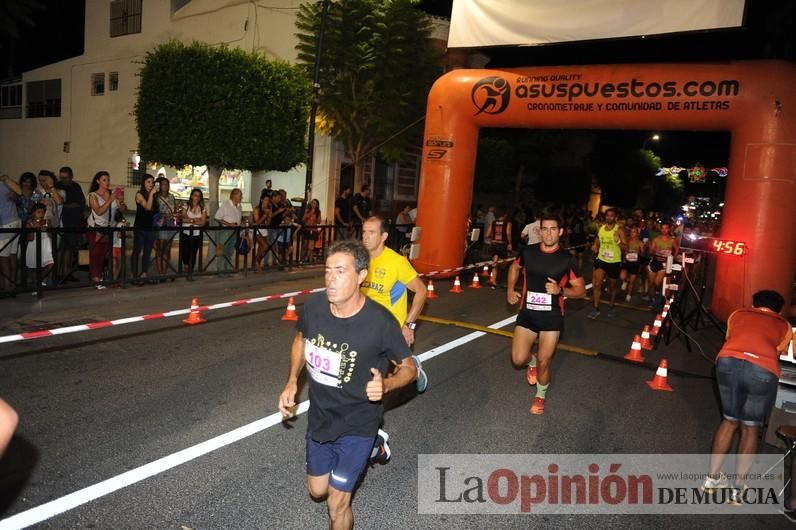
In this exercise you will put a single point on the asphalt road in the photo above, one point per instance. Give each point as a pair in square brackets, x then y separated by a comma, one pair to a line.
[96, 404]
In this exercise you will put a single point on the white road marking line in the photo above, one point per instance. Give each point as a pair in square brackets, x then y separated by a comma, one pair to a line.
[73, 500]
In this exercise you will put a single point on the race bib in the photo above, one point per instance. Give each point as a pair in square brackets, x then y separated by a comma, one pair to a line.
[538, 301]
[631, 257]
[607, 253]
[323, 365]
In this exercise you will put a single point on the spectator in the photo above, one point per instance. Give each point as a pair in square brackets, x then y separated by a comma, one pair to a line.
[164, 221]
[480, 216]
[194, 218]
[24, 199]
[52, 198]
[103, 206]
[71, 219]
[9, 242]
[261, 217]
[120, 223]
[413, 215]
[403, 221]
[489, 218]
[361, 206]
[279, 206]
[39, 256]
[311, 220]
[145, 209]
[228, 216]
[532, 233]
[747, 373]
[342, 214]
[267, 191]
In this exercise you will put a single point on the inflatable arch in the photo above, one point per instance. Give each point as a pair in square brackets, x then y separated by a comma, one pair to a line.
[755, 101]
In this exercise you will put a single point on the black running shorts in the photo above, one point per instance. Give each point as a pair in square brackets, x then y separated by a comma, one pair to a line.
[611, 269]
[538, 321]
[656, 266]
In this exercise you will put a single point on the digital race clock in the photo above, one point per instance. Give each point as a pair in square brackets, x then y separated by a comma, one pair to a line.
[713, 245]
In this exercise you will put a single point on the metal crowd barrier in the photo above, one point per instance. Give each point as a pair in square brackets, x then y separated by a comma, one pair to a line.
[219, 251]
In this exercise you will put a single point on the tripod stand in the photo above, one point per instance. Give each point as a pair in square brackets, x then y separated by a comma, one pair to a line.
[698, 316]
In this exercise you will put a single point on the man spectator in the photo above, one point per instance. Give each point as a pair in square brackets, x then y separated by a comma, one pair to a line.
[342, 213]
[362, 206]
[8, 241]
[267, 191]
[532, 234]
[489, 218]
[71, 219]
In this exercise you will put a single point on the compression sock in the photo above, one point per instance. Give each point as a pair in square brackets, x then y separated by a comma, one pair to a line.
[541, 390]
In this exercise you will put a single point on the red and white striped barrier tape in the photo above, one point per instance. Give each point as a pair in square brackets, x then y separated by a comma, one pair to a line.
[177, 312]
[152, 316]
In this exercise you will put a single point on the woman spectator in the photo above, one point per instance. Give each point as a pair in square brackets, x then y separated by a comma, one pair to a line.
[27, 182]
[193, 219]
[52, 198]
[39, 256]
[167, 212]
[145, 209]
[261, 217]
[103, 206]
[279, 207]
[311, 220]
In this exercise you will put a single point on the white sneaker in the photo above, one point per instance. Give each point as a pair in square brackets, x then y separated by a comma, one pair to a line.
[712, 484]
[627, 298]
[624, 285]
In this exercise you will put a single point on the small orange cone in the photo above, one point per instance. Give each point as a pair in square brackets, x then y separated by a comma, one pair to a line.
[656, 326]
[485, 272]
[659, 381]
[646, 344]
[431, 294]
[290, 312]
[195, 316]
[635, 351]
[476, 284]
[457, 286]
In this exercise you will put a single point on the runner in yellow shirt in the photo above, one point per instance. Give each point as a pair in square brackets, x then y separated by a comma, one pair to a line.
[607, 249]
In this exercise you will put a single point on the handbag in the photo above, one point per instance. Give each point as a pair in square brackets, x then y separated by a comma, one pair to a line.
[243, 246]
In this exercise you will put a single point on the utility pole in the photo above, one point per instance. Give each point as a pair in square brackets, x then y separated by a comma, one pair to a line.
[316, 86]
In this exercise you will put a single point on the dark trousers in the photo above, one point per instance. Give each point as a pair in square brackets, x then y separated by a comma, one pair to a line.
[142, 246]
[189, 250]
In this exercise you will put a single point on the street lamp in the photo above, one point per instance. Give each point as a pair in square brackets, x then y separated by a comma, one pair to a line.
[655, 137]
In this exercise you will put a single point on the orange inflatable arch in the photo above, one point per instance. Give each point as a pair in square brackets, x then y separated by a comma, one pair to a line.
[755, 101]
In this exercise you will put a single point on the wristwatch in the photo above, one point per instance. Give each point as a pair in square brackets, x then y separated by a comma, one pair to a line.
[411, 325]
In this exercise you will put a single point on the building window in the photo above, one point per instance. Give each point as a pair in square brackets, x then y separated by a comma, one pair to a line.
[113, 81]
[43, 98]
[176, 5]
[97, 84]
[11, 101]
[125, 17]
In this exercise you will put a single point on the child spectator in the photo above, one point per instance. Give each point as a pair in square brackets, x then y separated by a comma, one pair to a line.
[39, 223]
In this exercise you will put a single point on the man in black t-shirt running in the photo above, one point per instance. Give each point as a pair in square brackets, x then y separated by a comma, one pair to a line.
[549, 274]
[347, 342]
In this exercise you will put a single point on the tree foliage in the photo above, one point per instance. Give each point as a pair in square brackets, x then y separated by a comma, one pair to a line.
[221, 107]
[376, 68]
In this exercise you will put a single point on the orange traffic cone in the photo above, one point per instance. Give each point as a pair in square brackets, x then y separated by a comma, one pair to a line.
[290, 312]
[195, 316]
[656, 326]
[476, 284]
[457, 286]
[646, 344]
[635, 351]
[659, 381]
[485, 272]
[431, 294]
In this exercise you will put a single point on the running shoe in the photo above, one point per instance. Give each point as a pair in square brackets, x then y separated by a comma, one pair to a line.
[611, 312]
[624, 286]
[594, 313]
[712, 484]
[736, 496]
[627, 298]
[100, 287]
[380, 454]
[538, 406]
[646, 298]
[422, 379]
[530, 375]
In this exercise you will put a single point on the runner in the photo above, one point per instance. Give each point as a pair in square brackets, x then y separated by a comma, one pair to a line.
[389, 276]
[607, 249]
[660, 249]
[347, 342]
[547, 270]
[631, 262]
[499, 232]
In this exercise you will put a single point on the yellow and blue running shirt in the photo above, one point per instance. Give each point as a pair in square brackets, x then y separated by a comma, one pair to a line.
[386, 282]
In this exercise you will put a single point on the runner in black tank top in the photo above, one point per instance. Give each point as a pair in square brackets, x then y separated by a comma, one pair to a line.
[549, 273]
